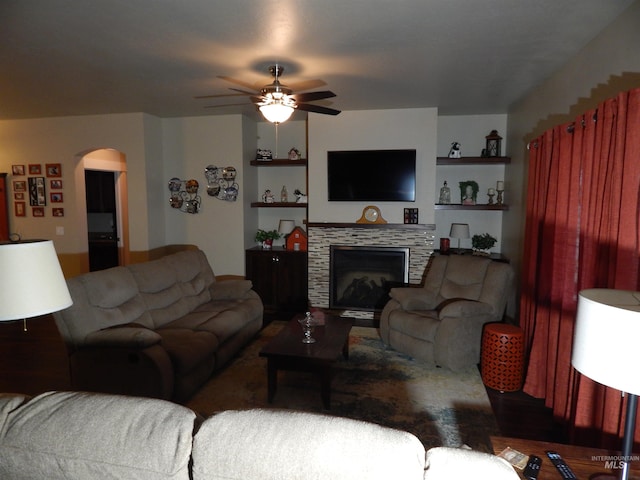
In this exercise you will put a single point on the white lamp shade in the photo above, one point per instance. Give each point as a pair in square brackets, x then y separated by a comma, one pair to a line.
[31, 280]
[459, 230]
[276, 112]
[285, 227]
[607, 336]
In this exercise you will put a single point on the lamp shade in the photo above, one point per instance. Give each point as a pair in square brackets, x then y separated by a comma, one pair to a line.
[31, 280]
[286, 226]
[459, 230]
[607, 333]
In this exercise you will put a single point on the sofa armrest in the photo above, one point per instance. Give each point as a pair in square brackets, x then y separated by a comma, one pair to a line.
[414, 298]
[122, 337]
[229, 289]
[447, 463]
[461, 307]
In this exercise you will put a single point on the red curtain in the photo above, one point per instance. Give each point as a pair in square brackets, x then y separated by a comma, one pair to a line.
[583, 213]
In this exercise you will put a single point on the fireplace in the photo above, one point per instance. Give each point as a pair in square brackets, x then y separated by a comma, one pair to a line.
[360, 277]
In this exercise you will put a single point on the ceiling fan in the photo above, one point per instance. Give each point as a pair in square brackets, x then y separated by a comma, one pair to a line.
[277, 102]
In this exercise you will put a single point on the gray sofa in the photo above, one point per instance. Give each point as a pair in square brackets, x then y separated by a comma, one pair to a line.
[156, 329]
[86, 436]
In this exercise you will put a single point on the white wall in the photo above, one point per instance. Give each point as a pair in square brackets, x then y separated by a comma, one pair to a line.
[189, 145]
[372, 129]
[63, 140]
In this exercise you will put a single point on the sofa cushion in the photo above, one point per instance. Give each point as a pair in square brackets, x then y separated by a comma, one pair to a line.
[283, 445]
[87, 436]
[188, 348]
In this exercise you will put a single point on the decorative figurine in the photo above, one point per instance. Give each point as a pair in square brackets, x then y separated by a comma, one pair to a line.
[455, 151]
[294, 154]
[300, 197]
[445, 195]
[268, 197]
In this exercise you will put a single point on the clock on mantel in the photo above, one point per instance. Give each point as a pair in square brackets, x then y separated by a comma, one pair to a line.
[371, 214]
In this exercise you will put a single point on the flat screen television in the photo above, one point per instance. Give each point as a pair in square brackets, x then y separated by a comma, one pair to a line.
[372, 175]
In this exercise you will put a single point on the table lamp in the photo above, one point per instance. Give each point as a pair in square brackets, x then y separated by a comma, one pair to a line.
[31, 281]
[285, 227]
[459, 231]
[605, 345]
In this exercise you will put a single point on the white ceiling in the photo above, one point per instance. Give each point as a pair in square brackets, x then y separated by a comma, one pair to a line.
[77, 57]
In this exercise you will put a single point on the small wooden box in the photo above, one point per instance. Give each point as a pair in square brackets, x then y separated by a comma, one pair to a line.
[297, 240]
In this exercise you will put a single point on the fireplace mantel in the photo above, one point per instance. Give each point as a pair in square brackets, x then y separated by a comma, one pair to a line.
[402, 226]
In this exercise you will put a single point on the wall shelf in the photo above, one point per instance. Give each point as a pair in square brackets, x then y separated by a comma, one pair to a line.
[279, 162]
[457, 206]
[278, 205]
[473, 161]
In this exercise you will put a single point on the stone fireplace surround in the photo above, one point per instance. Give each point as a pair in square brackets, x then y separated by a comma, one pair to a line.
[418, 238]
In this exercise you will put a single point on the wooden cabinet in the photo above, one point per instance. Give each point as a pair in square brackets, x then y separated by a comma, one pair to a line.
[279, 276]
[4, 208]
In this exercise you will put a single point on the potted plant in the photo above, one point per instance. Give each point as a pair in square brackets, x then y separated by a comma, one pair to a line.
[483, 243]
[266, 237]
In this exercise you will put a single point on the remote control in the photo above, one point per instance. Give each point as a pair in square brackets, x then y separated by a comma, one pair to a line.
[532, 469]
[561, 465]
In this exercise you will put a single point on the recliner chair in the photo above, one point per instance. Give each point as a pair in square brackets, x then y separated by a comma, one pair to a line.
[441, 323]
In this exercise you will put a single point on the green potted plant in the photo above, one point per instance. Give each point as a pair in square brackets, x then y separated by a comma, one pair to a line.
[483, 243]
[266, 237]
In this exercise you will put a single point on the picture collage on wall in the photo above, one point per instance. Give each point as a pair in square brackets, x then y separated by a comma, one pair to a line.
[34, 187]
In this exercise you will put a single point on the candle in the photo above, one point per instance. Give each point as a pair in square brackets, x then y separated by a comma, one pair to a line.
[492, 191]
[500, 185]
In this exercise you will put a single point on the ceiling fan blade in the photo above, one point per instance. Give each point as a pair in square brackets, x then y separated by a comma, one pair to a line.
[256, 99]
[317, 109]
[306, 85]
[227, 105]
[222, 95]
[246, 85]
[311, 96]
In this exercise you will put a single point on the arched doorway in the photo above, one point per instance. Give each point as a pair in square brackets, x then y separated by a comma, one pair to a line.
[105, 182]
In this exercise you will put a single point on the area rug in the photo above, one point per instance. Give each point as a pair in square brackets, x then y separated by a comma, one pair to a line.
[375, 384]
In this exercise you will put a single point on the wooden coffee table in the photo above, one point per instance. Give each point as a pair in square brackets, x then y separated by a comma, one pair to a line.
[286, 351]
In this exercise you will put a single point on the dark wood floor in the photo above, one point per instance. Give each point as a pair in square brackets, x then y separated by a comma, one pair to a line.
[35, 361]
[522, 416]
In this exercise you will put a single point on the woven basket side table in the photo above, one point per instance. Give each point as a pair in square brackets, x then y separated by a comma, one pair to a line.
[502, 358]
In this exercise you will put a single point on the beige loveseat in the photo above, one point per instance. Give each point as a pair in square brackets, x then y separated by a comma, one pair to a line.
[441, 323]
[85, 436]
[157, 328]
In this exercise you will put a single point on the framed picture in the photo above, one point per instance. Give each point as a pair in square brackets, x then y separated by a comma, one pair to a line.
[35, 169]
[19, 186]
[17, 169]
[468, 192]
[54, 169]
[37, 192]
[18, 196]
[20, 209]
[38, 211]
[56, 197]
[58, 212]
[56, 184]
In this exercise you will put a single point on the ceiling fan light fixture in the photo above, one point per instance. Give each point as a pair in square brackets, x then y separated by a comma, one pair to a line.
[276, 112]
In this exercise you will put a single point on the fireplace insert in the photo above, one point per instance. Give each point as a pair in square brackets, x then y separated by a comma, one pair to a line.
[360, 277]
